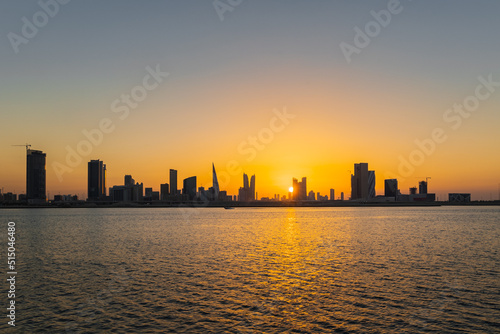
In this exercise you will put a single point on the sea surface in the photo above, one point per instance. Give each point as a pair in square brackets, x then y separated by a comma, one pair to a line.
[255, 270]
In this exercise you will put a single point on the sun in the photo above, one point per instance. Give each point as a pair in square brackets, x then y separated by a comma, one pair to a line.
[290, 189]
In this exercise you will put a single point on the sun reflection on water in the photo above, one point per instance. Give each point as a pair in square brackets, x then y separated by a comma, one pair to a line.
[308, 270]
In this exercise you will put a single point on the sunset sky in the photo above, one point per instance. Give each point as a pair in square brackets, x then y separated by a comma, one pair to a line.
[231, 70]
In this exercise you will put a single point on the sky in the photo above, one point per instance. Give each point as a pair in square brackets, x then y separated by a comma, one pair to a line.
[279, 89]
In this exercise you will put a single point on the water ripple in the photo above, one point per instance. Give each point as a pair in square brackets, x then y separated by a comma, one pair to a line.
[274, 270]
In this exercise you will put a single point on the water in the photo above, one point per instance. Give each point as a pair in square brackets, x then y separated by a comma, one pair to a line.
[256, 270]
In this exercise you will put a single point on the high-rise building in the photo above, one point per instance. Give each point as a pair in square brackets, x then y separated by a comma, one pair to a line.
[391, 188]
[96, 181]
[173, 182]
[246, 184]
[247, 192]
[252, 188]
[422, 187]
[332, 194]
[138, 192]
[303, 188]
[35, 176]
[359, 182]
[371, 184]
[189, 187]
[215, 183]
[129, 181]
[362, 182]
[165, 191]
[299, 189]
[295, 187]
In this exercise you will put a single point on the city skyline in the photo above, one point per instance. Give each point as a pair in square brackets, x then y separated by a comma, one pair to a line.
[250, 166]
[363, 183]
[283, 96]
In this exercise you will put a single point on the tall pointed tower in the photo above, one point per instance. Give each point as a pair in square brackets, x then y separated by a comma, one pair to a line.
[215, 182]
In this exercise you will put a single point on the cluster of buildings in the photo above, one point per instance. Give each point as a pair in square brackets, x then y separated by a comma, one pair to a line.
[298, 192]
[362, 188]
[132, 191]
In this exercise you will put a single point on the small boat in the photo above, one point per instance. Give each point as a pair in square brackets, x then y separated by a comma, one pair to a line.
[228, 208]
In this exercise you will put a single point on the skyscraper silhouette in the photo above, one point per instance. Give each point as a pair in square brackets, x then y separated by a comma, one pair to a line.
[362, 182]
[128, 180]
[165, 191]
[189, 187]
[359, 181]
[96, 181]
[391, 188]
[247, 192]
[246, 185]
[371, 184]
[422, 187]
[215, 183]
[173, 182]
[35, 177]
[252, 188]
[299, 189]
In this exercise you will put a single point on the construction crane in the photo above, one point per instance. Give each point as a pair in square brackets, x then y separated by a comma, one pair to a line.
[421, 177]
[426, 181]
[28, 146]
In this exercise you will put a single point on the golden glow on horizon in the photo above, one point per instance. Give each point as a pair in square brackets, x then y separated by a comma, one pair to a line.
[222, 90]
[318, 143]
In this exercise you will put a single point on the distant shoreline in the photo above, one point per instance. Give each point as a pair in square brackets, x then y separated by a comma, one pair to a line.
[256, 204]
